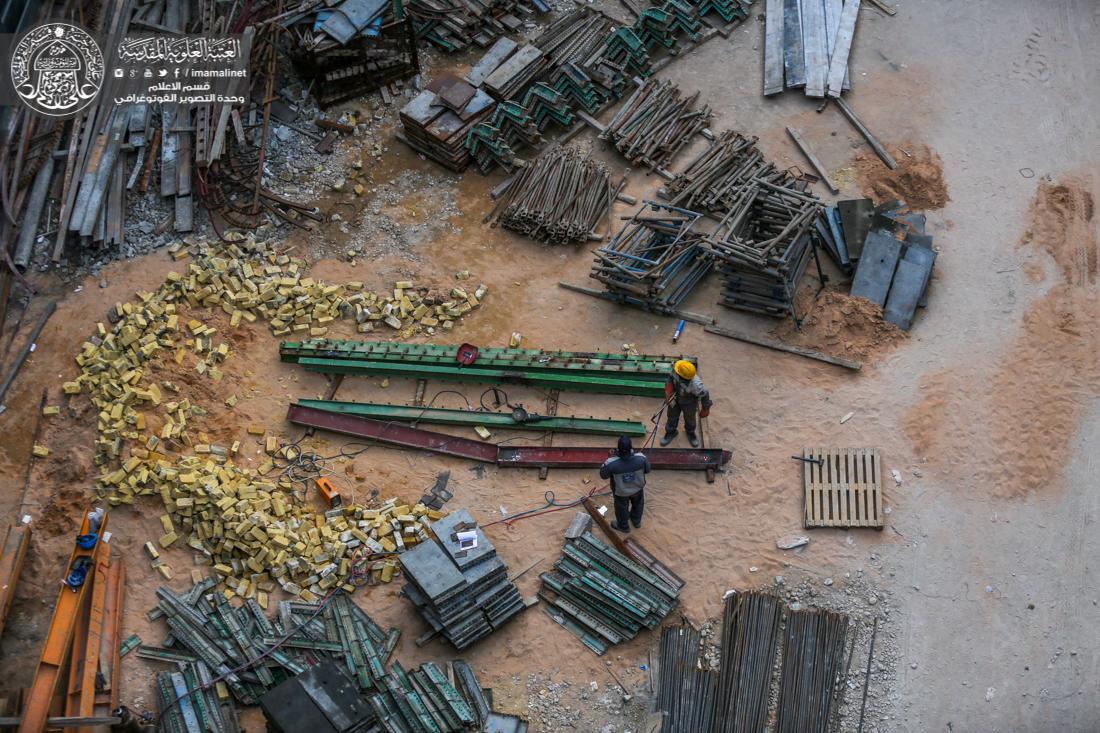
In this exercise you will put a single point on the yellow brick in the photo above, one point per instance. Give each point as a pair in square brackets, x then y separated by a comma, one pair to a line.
[153, 554]
[40, 451]
[71, 388]
[168, 539]
[51, 410]
[256, 430]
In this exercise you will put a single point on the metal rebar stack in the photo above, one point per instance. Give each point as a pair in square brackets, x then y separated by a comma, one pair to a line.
[765, 242]
[655, 260]
[713, 181]
[813, 656]
[559, 198]
[655, 123]
[750, 626]
[686, 694]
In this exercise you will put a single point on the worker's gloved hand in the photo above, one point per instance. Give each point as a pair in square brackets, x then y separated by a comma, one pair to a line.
[668, 390]
[704, 411]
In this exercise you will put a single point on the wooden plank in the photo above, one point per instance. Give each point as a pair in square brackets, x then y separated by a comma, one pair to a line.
[815, 46]
[833, 9]
[107, 693]
[780, 346]
[773, 48]
[794, 60]
[821, 172]
[838, 64]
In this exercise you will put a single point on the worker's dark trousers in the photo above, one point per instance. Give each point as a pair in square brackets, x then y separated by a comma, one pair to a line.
[629, 507]
[689, 409]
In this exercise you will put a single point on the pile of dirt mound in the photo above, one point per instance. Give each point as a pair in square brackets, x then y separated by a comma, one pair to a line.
[840, 325]
[918, 179]
[1060, 222]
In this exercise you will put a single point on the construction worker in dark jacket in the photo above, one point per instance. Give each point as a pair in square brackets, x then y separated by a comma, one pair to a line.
[627, 471]
[685, 392]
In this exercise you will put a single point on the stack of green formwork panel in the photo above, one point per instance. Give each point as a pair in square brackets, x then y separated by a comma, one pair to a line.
[643, 375]
[602, 596]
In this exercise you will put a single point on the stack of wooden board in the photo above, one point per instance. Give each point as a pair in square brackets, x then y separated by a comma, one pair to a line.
[806, 45]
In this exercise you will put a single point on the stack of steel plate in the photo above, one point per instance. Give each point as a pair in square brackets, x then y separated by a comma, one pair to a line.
[603, 596]
[462, 591]
[511, 78]
[438, 132]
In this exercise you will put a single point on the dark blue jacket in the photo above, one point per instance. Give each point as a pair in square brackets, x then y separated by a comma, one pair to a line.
[627, 474]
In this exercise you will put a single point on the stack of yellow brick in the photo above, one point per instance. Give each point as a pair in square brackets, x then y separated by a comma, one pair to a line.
[254, 531]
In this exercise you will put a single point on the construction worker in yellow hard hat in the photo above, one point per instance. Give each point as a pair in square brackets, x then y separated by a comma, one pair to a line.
[685, 392]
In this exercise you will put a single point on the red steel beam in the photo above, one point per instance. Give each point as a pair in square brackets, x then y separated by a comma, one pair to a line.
[533, 456]
[393, 433]
[668, 459]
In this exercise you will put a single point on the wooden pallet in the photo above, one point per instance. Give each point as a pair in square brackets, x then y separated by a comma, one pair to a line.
[845, 490]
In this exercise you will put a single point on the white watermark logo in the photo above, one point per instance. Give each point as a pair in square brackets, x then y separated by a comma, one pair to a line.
[57, 69]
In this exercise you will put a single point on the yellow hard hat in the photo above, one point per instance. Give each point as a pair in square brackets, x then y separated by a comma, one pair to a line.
[685, 369]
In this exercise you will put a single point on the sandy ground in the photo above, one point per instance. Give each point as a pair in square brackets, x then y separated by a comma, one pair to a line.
[989, 409]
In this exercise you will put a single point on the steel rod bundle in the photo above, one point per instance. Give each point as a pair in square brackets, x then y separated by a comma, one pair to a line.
[686, 694]
[713, 180]
[655, 123]
[750, 627]
[560, 197]
[813, 656]
[655, 260]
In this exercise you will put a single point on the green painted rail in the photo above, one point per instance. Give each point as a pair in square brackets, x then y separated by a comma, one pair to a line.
[643, 366]
[445, 416]
[575, 382]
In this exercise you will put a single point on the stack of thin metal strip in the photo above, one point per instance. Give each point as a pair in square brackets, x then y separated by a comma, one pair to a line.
[686, 695]
[750, 626]
[813, 657]
[728, 10]
[655, 123]
[559, 198]
[253, 654]
[602, 596]
[655, 260]
[492, 143]
[453, 25]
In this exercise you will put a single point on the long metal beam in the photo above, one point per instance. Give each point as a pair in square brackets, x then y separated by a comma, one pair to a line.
[641, 366]
[503, 456]
[444, 416]
[572, 382]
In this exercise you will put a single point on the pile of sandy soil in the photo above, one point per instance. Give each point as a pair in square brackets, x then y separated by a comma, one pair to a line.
[1059, 222]
[839, 325]
[918, 179]
[1015, 428]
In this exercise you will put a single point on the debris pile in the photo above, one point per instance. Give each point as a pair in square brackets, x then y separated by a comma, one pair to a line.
[655, 123]
[655, 260]
[559, 198]
[222, 651]
[737, 697]
[601, 595]
[458, 583]
[350, 48]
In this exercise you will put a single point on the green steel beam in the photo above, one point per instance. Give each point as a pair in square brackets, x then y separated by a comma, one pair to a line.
[567, 382]
[645, 366]
[443, 416]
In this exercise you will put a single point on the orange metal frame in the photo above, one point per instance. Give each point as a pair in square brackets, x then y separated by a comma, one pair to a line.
[16, 542]
[59, 639]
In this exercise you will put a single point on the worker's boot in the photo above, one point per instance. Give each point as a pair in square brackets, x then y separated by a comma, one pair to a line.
[693, 439]
[668, 438]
